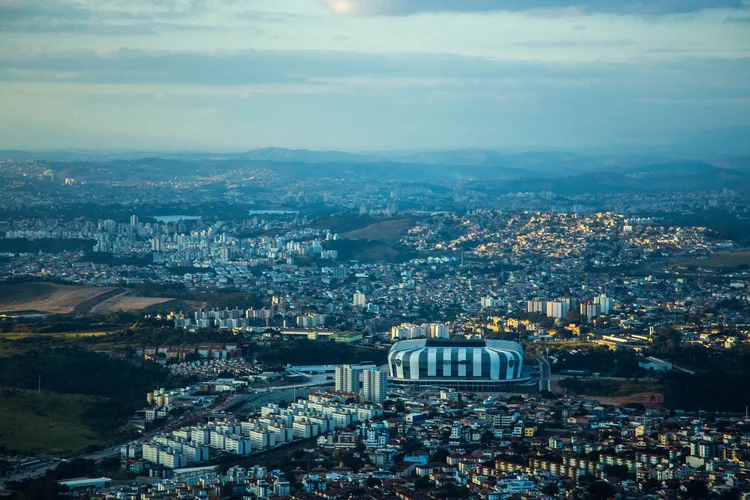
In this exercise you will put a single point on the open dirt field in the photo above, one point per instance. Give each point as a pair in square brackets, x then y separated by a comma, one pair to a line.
[49, 298]
[127, 303]
[647, 399]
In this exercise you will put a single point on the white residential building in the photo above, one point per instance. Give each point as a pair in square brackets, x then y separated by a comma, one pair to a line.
[374, 385]
[347, 378]
[359, 300]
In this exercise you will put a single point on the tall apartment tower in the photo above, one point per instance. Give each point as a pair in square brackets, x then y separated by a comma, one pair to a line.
[439, 331]
[348, 378]
[374, 385]
[558, 308]
[392, 207]
[359, 299]
[605, 303]
[536, 306]
[590, 310]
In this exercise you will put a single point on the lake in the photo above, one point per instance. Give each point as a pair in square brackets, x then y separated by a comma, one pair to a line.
[176, 218]
[272, 212]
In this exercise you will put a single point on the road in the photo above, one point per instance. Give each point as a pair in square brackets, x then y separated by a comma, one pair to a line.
[558, 376]
[273, 394]
[545, 374]
[53, 463]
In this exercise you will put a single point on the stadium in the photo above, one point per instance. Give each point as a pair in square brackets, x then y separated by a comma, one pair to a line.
[471, 365]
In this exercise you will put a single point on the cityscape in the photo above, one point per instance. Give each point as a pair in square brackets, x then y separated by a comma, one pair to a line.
[374, 249]
[533, 346]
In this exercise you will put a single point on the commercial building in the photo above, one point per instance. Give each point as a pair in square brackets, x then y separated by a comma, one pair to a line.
[352, 337]
[75, 484]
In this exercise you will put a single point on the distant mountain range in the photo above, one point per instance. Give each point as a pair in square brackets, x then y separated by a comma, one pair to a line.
[559, 172]
[652, 178]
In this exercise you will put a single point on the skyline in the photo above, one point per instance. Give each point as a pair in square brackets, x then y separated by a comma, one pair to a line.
[233, 75]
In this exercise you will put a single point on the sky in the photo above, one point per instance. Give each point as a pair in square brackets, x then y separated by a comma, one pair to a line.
[370, 75]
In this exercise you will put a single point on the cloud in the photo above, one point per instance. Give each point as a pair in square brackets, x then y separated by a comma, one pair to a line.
[410, 7]
[259, 67]
[200, 111]
[323, 99]
[110, 17]
[338, 73]
[20, 15]
[266, 16]
[548, 44]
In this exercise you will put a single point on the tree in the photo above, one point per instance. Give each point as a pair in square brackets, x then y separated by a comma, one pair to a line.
[550, 489]
[618, 471]
[411, 445]
[453, 491]
[573, 316]
[423, 483]
[732, 494]
[440, 455]
[350, 461]
[373, 482]
[666, 339]
[487, 437]
[360, 447]
[696, 490]
[445, 436]
[547, 394]
[586, 480]
[650, 484]
[600, 490]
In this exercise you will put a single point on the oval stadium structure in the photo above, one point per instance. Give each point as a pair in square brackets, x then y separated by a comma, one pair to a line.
[474, 365]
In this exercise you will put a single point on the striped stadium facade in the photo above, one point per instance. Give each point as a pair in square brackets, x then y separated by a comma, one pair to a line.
[462, 364]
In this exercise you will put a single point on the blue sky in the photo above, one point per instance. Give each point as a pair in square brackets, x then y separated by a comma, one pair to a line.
[367, 75]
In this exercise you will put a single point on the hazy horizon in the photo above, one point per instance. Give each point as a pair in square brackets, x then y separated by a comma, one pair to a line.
[371, 75]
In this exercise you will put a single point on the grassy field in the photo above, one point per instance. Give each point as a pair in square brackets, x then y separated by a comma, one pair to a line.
[174, 305]
[364, 250]
[60, 335]
[342, 223]
[719, 260]
[387, 230]
[47, 421]
[17, 343]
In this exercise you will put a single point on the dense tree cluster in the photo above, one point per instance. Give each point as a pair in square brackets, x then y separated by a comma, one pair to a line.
[305, 352]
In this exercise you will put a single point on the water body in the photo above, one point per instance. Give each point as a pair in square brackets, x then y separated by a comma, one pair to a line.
[272, 212]
[176, 218]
